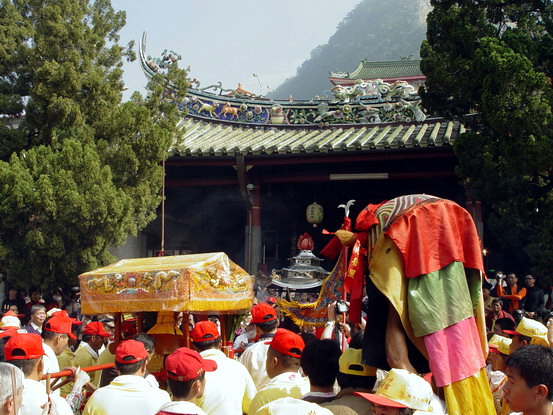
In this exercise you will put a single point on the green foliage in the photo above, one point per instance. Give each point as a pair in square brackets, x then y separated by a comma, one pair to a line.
[490, 63]
[79, 169]
[377, 30]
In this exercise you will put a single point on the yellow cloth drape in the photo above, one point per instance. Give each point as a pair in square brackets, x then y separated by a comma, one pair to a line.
[470, 396]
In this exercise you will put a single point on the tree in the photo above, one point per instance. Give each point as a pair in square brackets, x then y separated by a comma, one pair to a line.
[79, 169]
[490, 63]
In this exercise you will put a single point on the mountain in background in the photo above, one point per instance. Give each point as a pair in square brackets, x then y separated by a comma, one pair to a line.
[375, 29]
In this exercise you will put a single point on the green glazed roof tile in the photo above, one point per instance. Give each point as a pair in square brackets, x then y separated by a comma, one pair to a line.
[205, 138]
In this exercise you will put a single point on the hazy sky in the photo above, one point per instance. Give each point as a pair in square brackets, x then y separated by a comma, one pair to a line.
[228, 41]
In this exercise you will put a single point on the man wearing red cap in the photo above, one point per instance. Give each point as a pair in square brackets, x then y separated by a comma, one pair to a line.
[26, 352]
[56, 331]
[229, 389]
[186, 370]
[128, 393]
[283, 364]
[94, 337]
[266, 322]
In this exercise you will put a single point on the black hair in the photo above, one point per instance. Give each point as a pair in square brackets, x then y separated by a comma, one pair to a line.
[289, 362]
[355, 381]
[181, 389]
[268, 326]
[356, 341]
[319, 361]
[86, 337]
[535, 365]
[129, 368]
[505, 323]
[522, 337]
[208, 344]
[486, 285]
[49, 335]
[35, 290]
[3, 341]
[307, 337]
[147, 340]
[26, 365]
[497, 301]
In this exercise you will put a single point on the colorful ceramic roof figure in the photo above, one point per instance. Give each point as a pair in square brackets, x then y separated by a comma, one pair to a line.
[356, 115]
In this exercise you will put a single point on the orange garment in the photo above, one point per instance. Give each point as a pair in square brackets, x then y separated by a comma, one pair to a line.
[515, 297]
[431, 236]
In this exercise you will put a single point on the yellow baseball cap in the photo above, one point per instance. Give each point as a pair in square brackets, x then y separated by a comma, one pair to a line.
[533, 329]
[499, 344]
[350, 364]
[402, 389]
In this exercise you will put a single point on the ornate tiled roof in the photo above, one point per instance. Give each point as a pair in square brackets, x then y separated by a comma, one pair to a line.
[210, 138]
[383, 70]
[369, 115]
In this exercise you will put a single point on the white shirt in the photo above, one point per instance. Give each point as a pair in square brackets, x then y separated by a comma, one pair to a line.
[90, 350]
[229, 389]
[182, 407]
[51, 364]
[126, 394]
[288, 384]
[152, 381]
[254, 358]
[34, 396]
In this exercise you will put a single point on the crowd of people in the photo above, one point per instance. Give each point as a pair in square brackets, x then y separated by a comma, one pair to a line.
[273, 367]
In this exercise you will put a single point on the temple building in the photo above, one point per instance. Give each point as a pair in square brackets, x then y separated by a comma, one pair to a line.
[240, 178]
[391, 71]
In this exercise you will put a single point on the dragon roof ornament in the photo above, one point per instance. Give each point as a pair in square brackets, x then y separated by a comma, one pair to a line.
[365, 102]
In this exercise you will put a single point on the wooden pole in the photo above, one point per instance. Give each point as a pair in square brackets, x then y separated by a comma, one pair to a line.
[64, 373]
[139, 321]
[186, 329]
[162, 251]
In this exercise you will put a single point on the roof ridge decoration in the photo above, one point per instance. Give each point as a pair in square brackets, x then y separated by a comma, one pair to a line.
[372, 102]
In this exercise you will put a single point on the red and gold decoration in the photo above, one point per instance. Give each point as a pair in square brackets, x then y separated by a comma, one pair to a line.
[196, 283]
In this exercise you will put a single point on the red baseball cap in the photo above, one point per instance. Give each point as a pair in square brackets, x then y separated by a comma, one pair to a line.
[204, 331]
[271, 300]
[10, 313]
[130, 348]
[64, 314]
[9, 332]
[28, 346]
[185, 364]
[287, 342]
[95, 328]
[262, 313]
[59, 324]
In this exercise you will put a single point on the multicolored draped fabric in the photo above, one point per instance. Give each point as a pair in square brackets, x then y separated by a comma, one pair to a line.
[424, 256]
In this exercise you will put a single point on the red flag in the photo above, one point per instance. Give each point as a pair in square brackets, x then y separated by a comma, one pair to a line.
[334, 247]
[354, 279]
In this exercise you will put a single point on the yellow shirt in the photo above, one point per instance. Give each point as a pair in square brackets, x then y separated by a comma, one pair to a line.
[84, 358]
[105, 357]
[286, 384]
[66, 359]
